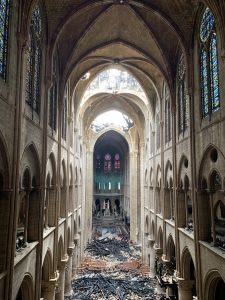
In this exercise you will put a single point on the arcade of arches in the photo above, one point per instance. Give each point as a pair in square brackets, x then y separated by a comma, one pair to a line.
[161, 64]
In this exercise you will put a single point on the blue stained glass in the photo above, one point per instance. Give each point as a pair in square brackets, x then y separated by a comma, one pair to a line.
[206, 24]
[36, 21]
[4, 24]
[37, 63]
[204, 84]
[29, 72]
[214, 73]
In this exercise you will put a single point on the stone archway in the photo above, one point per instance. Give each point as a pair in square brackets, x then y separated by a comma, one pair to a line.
[214, 286]
[26, 290]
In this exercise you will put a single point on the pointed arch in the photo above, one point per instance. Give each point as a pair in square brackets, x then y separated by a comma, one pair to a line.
[26, 290]
[187, 265]
[63, 174]
[146, 224]
[51, 166]
[30, 159]
[60, 249]
[47, 266]
[158, 177]
[170, 248]
[160, 238]
[211, 282]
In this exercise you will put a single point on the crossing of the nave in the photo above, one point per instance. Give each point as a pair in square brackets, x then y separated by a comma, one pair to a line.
[112, 122]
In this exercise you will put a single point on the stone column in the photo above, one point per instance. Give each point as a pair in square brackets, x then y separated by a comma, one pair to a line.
[61, 280]
[48, 288]
[74, 257]
[87, 206]
[152, 257]
[185, 289]
[68, 275]
[158, 254]
[213, 232]
[133, 196]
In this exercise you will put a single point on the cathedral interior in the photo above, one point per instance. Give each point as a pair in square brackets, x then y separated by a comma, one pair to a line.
[112, 110]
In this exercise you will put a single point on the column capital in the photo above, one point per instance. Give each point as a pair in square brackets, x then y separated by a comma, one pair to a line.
[50, 286]
[70, 250]
[185, 285]
[63, 262]
[151, 241]
[158, 251]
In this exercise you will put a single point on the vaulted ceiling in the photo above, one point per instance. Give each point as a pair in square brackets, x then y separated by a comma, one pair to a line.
[145, 37]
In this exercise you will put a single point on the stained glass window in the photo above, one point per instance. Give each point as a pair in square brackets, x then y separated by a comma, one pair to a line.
[53, 99]
[34, 54]
[107, 163]
[98, 162]
[209, 70]
[182, 96]
[4, 24]
[64, 114]
[204, 84]
[117, 162]
[214, 73]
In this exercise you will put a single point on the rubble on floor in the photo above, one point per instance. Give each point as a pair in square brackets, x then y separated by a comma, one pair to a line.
[118, 285]
[119, 248]
[112, 270]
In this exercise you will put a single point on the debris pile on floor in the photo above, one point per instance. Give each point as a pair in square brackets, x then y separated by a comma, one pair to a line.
[112, 270]
[113, 286]
[117, 249]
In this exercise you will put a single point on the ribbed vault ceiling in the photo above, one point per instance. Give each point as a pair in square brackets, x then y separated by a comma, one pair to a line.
[145, 37]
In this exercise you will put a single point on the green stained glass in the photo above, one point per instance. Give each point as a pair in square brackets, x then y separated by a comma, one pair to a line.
[4, 24]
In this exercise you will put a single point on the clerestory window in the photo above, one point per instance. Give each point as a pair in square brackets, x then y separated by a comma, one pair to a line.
[209, 69]
[34, 54]
[4, 33]
[182, 96]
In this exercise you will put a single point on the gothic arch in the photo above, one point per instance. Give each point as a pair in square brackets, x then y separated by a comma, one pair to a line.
[30, 160]
[60, 249]
[170, 248]
[168, 173]
[187, 265]
[158, 177]
[183, 170]
[47, 266]
[51, 168]
[147, 224]
[151, 177]
[63, 174]
[210, 285]
[26, 290]
[212, 158]
[160, 238]
[152, 231]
